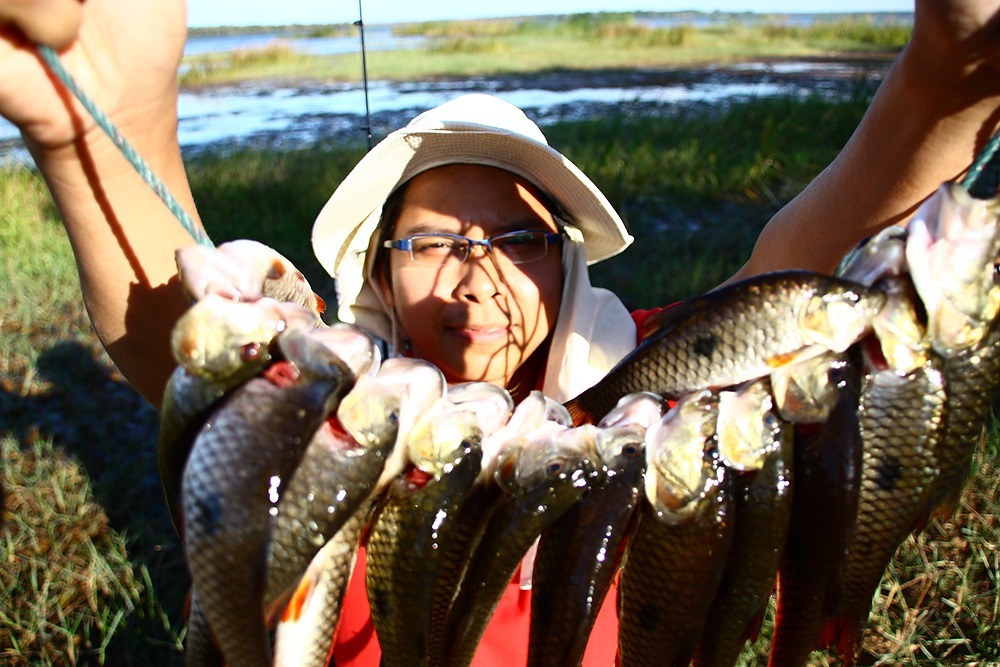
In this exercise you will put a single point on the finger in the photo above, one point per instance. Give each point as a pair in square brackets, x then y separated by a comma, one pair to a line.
[51, 22]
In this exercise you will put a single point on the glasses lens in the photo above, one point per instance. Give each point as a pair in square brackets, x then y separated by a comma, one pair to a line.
[521, 247]
[435, 250]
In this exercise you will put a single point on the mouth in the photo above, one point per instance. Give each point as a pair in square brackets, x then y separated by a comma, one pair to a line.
[481, 334]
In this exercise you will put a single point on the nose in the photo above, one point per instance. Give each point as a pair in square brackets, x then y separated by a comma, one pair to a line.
[481, 277]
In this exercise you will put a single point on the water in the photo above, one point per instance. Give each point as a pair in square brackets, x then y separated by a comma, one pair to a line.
[229, 117]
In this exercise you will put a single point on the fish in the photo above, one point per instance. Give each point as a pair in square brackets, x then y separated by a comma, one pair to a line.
[542, 476]
[763, 492]
[579, 554]
[336, 475]
[244, 270]
[218, 344]
[678, 551]
[826, 463]
[971, 382]
[900, 424]
[305, 633]
[200, 649]
[413, 529]
[737, 333]
[233, 480]
[952, 245]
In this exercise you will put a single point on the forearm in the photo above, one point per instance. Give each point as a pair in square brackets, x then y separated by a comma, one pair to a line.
[124, 239]
[915, 135]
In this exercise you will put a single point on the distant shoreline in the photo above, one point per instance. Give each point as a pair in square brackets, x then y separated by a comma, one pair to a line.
[348, 28]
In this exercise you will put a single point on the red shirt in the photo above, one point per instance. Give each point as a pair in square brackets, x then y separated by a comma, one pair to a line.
[505, 643]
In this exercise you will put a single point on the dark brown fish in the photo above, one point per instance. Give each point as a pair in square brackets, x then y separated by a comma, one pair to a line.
[232, 483]
[972, 377]
[827, 469]
[413, 530]
[678, 551]
[579, 554]
[763, 495]
[738, 333]
[218, 344]
[542, 478]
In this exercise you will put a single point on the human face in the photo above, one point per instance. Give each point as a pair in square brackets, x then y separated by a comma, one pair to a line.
[485, 319]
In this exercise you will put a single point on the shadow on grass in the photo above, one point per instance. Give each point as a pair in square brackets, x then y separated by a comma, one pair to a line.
[92, 414]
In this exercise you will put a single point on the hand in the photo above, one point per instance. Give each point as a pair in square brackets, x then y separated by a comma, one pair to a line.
[123, 53]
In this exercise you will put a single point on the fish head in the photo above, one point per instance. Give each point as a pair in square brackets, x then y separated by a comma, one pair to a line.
[313, 353]
[355, 349]
[805, 392]
[370, 413]
[679, 469]
[549, 457]
[640, 408]
[219, 339]
[902, 336]
[620, 447]
[748, 428]
[952, 247]
[493, 405]
[878, 256]
[838, 316]
[441, 436]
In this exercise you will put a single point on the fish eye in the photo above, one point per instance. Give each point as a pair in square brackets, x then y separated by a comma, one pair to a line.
[555, 467]
[250, 352]
[631, 450]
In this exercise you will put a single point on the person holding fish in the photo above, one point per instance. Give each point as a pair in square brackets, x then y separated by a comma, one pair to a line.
[463, 238]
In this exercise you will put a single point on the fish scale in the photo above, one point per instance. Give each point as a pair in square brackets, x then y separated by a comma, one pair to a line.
[579, 554]
[405, 556]
[737, 333]
[242, 454]
[900, 424]
[304, 635]
[972, 378]
[336, 474]
[670, 576]
[827, 469]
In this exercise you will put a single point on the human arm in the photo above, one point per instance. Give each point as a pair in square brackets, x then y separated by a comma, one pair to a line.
[937, 107]
[125, 55]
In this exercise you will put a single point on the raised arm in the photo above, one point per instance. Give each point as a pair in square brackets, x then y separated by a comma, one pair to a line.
[936, 108]
[124, 54]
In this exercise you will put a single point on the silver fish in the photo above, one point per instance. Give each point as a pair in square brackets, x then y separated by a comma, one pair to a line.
[232, 484]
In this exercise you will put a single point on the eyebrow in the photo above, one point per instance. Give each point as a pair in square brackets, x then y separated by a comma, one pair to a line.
[531, 224]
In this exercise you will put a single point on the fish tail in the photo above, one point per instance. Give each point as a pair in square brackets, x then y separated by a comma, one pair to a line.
[844, 634]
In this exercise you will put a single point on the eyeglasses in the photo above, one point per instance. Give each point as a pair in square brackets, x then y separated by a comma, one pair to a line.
[520, 247]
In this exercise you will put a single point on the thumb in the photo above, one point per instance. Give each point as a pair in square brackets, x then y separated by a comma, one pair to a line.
[51, 22]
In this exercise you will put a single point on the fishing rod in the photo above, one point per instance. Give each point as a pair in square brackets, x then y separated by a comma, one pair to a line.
[364, 74]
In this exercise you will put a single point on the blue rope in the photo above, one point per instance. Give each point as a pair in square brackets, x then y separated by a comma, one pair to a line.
[52, 60]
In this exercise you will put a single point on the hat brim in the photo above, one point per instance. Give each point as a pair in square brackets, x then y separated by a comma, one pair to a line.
[345, 224]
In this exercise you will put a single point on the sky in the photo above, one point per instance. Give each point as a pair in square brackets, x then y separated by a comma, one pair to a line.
[204, 13]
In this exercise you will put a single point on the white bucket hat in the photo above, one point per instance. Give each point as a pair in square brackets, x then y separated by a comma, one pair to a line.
[475, 129]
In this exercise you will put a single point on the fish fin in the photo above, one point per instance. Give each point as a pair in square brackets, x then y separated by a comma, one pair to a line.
[579, 413]
[298, 600]
[752, 631]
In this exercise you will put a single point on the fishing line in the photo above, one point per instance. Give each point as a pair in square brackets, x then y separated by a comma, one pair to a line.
[985, 165]
[50, 57]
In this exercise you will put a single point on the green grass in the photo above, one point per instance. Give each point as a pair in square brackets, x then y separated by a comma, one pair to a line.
[80, 444]
[614, 41]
